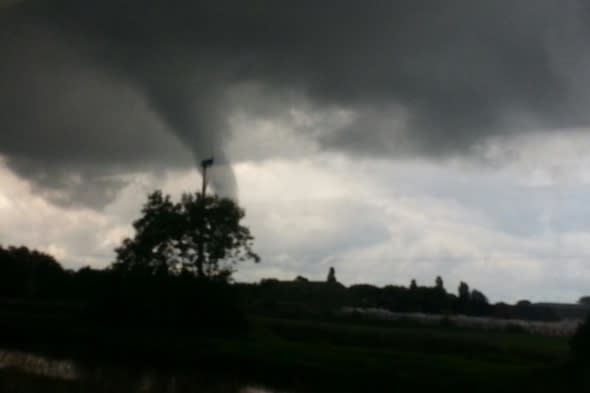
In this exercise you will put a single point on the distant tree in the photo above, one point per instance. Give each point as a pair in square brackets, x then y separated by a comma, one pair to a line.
[29, 273]
[200, 235]
[585, 300]
[301, 279]
[463, 292]
[413, 285]
[365, 295]
[479, 303]
[439, 283]
[478, 297]
[332, 276]
[463, 303]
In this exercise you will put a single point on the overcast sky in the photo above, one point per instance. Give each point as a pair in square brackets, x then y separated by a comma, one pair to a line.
[391, 140]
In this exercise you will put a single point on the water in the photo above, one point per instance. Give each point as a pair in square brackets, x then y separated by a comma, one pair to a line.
[112, 379]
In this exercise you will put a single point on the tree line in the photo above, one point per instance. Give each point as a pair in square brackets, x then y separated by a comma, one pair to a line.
[182, 249]
[175, 272]
[302, 297]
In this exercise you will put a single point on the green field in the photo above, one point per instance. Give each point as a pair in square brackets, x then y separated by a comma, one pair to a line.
[349, 356]
[322, 356]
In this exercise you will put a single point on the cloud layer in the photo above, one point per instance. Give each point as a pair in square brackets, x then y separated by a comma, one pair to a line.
[332, 115]
[88, 90]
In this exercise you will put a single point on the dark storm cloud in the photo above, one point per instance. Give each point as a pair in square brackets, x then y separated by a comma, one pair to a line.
[427, 77]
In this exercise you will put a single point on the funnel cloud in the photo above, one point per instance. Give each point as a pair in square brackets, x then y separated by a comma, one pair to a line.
[93, 90]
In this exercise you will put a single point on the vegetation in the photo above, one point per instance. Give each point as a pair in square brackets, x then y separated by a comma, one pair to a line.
[302, 298]
[137, 293]
[194, 236]
[168, 303]
[29, 274]
[328, 355]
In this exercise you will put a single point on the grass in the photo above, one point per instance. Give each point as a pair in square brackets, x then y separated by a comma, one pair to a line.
[442, 358]
[317, 356]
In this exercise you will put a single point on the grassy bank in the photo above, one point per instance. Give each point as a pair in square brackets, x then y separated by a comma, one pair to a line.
[317, 356]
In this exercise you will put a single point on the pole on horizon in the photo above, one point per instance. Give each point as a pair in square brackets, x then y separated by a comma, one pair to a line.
[205, 164]
[202, 201]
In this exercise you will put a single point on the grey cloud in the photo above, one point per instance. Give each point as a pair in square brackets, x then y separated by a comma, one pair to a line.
[459, 71]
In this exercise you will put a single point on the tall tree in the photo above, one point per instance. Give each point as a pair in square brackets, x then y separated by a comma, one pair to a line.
[331, 276]
[464, 292]
[200, 235]
[439, 283]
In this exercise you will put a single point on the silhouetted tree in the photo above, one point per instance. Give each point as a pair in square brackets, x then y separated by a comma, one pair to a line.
[463, 302]
[195, 236]
[29, 273]
[332, 276]
[413, 285]
[478, 297]
[479, 303]
[463, 292]
[585, 300]
[365, 295]
[438, 302]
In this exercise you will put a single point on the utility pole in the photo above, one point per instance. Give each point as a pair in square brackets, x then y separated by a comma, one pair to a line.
[205, 164]
[201, 246]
